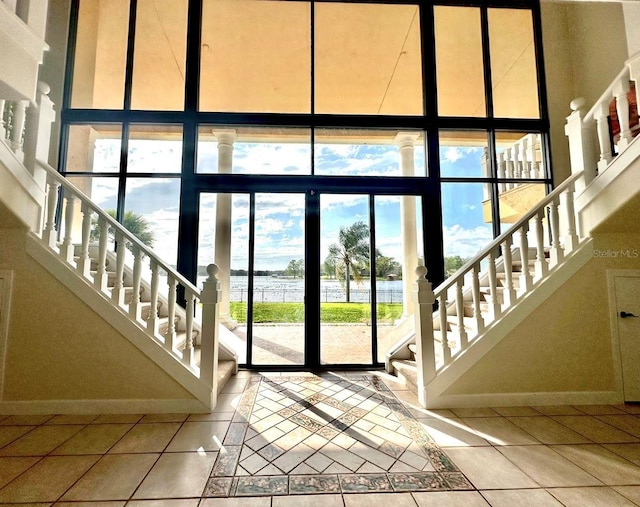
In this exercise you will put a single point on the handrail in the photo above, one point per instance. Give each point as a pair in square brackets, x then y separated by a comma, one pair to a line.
[449, 282]
[608, 93]
[68, 186]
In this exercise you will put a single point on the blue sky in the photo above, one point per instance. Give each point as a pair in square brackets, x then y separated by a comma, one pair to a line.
[280, 217]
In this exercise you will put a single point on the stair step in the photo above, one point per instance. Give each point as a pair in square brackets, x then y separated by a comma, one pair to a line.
[407, 371]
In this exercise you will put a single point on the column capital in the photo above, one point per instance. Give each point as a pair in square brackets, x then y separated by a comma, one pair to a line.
[225, 136]
[404, 139]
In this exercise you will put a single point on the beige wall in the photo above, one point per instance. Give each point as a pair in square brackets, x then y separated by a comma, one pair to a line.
[585, 47]
[565, 344]
[66, 351]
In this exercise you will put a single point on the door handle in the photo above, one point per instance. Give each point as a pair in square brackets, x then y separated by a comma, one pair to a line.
[624, 315]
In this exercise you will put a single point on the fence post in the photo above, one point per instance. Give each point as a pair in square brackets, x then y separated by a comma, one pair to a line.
[210, 298]
[423, 299]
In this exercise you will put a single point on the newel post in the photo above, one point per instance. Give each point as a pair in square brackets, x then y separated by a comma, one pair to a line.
[423, 299]
[580, 147]
[37, 137]
[210, 298]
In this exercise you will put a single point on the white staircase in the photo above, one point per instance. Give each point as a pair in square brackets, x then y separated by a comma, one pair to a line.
[487, 298]
[117, 276]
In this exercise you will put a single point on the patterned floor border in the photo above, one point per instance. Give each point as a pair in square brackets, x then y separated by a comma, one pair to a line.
[224, 483]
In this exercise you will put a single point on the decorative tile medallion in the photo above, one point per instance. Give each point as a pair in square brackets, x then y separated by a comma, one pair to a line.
[327, 434]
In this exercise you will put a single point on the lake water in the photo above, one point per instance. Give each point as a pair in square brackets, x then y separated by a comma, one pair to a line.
[287, 290]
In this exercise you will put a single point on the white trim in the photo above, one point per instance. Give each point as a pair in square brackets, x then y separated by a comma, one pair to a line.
[103, 407]
[612, 274]
[525, 399]
[6, 279]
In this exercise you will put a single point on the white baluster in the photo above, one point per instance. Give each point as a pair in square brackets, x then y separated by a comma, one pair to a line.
[464, 340]
[508, 167]
[484, 164]
[496, 309]
[17, 128]
[532, 155]
[602, 124]
[620, 90]
[152, 322]
[134, 303]
[100, 280]
[556, 254]
[444, 328]
[477, 309]
[525, 275]
[83, 264]
[509, 292]
[188, 352]
[517, 166]
[117, 293]
[570, 239]
[541, 266]
[67, 248]
[50, 234]
[501, 172]
[170, 335]
[527, 165]
[3, 130]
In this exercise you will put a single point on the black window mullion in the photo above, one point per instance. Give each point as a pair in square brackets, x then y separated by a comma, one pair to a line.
[192, 70]
[373, 300]
[131, 42]
[251, 268]
[486, 57]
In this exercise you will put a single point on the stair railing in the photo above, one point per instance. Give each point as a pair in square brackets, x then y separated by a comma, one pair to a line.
[97, 226]
[582, 128]
[526, 243]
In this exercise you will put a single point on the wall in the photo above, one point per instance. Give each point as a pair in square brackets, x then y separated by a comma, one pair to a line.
[585, 48]
[67, 351]
[565, 344]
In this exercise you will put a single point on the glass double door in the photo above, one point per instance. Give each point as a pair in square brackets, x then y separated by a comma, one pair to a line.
[310, 279]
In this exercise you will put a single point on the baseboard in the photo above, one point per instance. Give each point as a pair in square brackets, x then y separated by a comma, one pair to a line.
[524, 399]
[33, 407]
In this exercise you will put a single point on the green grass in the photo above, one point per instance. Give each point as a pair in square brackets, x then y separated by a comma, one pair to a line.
[347, 313]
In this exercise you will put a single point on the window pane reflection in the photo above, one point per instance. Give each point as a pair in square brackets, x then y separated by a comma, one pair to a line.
[513, 64]
[459, 63]
[160, 55]
[367, 59]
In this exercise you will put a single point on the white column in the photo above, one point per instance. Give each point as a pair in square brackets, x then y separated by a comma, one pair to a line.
[222, 250]
[406, 146]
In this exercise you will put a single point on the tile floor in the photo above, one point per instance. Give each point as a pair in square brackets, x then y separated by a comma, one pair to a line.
[342, 439]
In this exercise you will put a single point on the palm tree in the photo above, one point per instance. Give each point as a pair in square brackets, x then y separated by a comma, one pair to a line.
[134, 223]
[351, 250]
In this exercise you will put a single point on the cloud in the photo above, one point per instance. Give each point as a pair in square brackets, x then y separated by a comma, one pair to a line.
[452, 155]
[465, 242]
